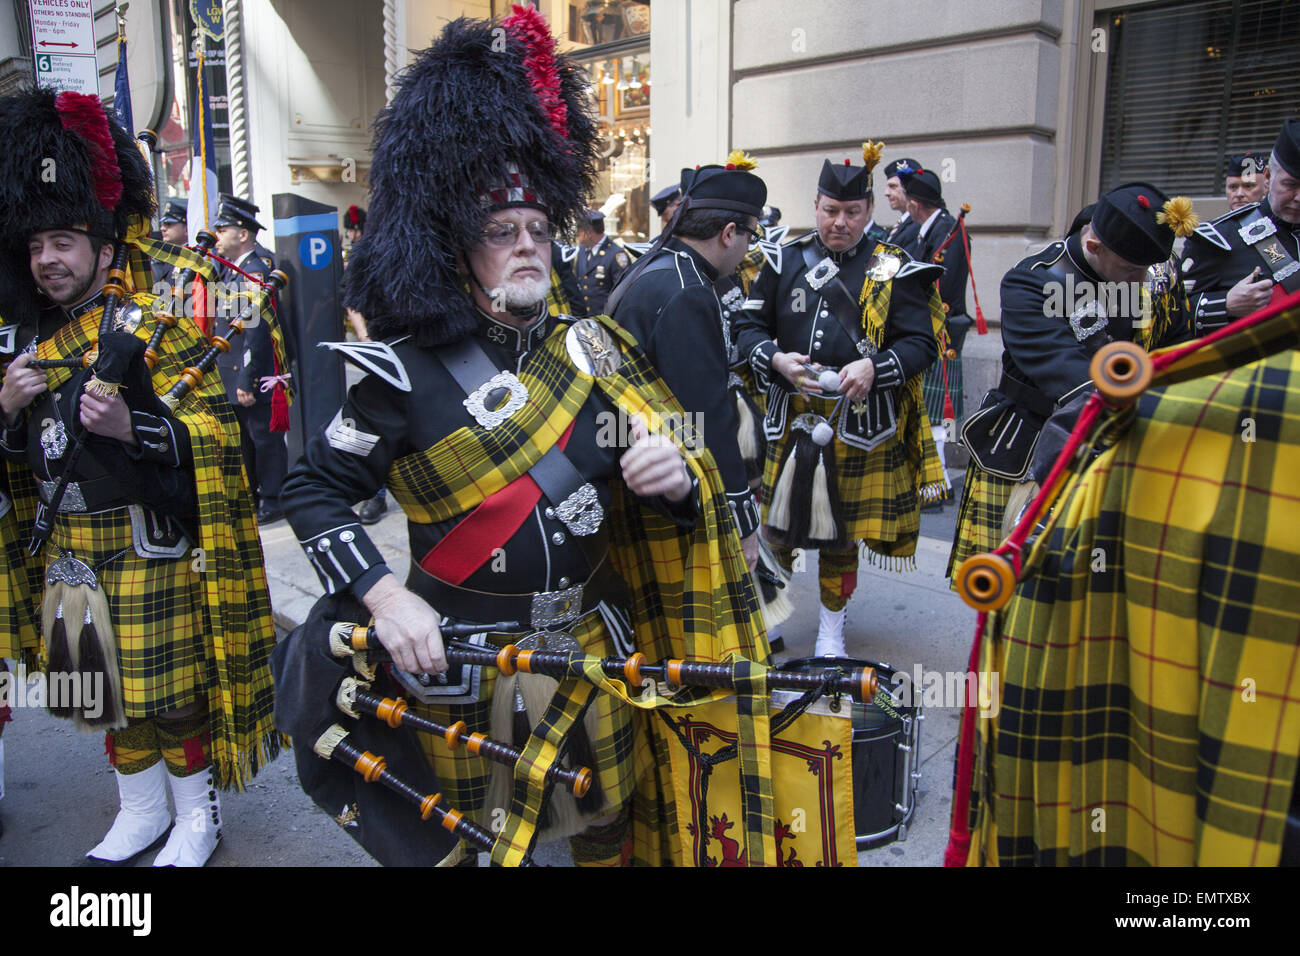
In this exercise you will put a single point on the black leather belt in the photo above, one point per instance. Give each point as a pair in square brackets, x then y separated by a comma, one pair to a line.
[1026, 396]
[538, 610]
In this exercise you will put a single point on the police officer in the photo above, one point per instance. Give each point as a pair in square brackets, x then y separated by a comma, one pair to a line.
[665, 203]
[599, 264]
[251, 357]
[172, 227]
[1232, 266]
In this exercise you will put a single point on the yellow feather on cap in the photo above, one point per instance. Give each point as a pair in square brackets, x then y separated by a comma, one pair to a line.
[739, 159]
[1178, 215]
[871, 153]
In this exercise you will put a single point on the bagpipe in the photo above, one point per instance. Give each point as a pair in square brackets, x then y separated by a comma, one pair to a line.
[333, 679]
[1122, 372]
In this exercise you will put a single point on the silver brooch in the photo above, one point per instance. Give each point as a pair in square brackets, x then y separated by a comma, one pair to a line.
[733, 300]
[54, 440]
[65, 569]
[581, 511]
[1085, 311]
[496, 399]
[1256, 231]
[73, 499]
[883, 267]
[822, 273]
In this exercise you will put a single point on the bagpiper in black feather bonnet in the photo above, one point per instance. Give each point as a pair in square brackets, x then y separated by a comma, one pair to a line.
[488, 117]
[66, 164]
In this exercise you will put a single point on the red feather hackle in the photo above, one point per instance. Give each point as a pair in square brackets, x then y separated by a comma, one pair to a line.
[532, 30]
[82, 114]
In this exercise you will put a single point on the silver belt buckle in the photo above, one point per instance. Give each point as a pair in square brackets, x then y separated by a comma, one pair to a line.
[581, 511]
[73, 500]
[552, 609]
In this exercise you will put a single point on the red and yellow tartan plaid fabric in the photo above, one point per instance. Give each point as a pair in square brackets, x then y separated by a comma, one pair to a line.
[19, 631]
[232, 609]
[154, 607]
[979, 517]
[1150, 661]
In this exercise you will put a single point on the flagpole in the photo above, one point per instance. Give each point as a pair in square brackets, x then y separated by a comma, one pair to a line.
[202, 124]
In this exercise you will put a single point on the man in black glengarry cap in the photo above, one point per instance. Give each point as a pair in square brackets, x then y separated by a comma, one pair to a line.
[1246, 179]
[1234, 265]
[846, 461]
[896, 175]
[669, 304]
[1109, 280]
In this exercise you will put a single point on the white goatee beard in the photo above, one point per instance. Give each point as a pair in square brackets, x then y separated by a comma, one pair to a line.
[522, 293]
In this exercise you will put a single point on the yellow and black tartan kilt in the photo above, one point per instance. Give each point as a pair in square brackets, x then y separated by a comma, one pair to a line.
[878, 494]
[465, 778]
[932, 389]
[19, 632]
[157, 620]
[979, 518]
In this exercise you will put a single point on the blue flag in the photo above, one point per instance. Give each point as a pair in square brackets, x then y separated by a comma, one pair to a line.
[122, 90]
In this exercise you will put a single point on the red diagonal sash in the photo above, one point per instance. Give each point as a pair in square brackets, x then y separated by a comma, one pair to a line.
[467, 547]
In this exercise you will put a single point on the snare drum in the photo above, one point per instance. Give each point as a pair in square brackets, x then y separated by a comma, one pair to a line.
[886, 756]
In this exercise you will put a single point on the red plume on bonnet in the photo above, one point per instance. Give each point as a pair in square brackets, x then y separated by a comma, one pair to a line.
[353, 217]
[532, 30]
[82, 114]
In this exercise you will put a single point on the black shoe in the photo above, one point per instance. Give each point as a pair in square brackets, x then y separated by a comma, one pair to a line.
[130, 860]
[269, 513]
[374, 509]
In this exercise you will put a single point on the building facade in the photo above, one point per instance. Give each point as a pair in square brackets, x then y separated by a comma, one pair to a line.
[1025, 108]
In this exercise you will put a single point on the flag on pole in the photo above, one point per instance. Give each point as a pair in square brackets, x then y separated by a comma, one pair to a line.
[122, 89]
[203, 163]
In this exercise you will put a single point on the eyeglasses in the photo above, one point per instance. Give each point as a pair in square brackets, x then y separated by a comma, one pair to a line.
[757, 234]
[505, 234]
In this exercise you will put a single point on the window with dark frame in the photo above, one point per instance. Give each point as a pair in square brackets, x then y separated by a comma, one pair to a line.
[1189, 83]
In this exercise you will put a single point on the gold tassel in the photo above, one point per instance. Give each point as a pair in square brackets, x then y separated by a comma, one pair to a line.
[822, 523]
[97, 386]
[871, 153]
[778, 513]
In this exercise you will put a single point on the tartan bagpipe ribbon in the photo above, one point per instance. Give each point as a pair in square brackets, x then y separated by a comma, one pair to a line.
[1149, 661]
[691, 595]
[142, 248]
[231, 589]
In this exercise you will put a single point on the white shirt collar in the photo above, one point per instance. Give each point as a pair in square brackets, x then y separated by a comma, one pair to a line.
[925, 228]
